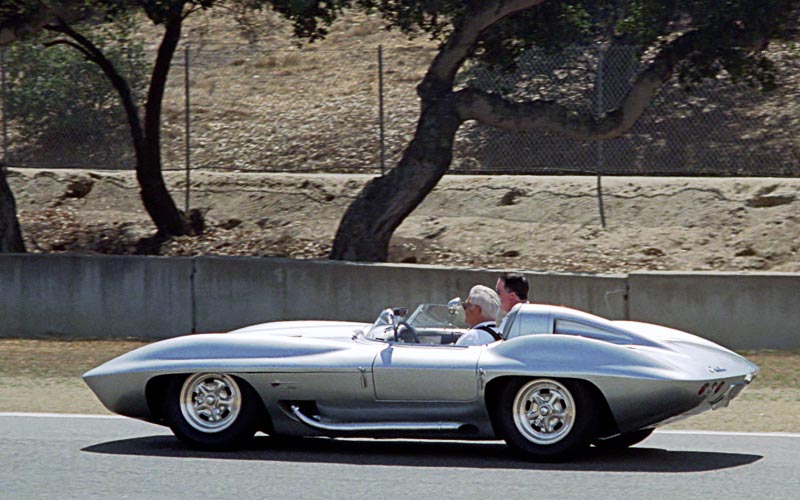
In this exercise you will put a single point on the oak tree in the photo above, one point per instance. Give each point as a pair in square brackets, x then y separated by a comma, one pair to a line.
[693, 39]
[19, 18]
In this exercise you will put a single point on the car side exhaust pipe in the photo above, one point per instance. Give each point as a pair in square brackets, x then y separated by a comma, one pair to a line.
[316, 423]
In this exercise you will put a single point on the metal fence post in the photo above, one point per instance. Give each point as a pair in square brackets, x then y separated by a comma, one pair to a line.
[600, 159]
[4, 96]
[187, 119]
[380, 109]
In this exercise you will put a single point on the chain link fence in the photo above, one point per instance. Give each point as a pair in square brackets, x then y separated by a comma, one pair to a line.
[717, 127]
[247, 108]
[58, 114]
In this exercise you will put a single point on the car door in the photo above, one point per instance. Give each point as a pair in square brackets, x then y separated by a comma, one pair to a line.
[404, 372]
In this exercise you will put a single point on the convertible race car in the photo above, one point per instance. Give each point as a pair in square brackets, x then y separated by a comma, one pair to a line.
[558, 382]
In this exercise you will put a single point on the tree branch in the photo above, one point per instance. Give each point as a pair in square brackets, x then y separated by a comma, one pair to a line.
[94, 54]
[190, 11]
[545, 115]
[33, 17]
[461, 42]
[495, 110]
[166, 50]
[69, 43]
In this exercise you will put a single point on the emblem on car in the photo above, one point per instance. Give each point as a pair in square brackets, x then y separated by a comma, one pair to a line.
[716, 369]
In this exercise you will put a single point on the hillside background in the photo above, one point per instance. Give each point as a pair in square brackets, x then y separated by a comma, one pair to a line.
[282, 139]
[255, 100]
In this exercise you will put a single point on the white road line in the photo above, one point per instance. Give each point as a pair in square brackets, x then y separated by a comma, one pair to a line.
[724, 433]
[57, 415]
[658, 431]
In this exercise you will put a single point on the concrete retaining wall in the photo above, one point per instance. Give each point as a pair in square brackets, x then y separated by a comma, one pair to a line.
[743, 311]
[232, 292]
[77, 296]
[154, 297]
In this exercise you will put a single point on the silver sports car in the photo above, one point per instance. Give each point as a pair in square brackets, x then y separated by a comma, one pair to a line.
[559, 381]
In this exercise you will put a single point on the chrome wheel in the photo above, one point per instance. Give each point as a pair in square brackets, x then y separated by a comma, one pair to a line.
[210, 402]
[544, 411]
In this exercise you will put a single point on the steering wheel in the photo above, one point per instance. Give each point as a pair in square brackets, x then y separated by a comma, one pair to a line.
[408, 330]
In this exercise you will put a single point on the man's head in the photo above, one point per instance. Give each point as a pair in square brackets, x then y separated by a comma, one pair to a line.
[512, 289]
[483, 304]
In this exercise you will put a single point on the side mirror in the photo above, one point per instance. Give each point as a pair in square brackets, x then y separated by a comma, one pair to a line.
[386, 317]
[454, 305]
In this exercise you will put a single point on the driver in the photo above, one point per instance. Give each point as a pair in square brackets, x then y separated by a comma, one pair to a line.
[480, 309]
[513, 289]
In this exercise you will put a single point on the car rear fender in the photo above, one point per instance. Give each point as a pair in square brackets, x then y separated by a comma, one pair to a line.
[606, 424]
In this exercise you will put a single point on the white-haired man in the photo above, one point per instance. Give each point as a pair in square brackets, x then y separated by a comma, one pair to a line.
[480, 309]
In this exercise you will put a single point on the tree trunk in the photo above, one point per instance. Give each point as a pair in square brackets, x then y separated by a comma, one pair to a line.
[369, 222]
[156, 199]
[10, 233]
[159, 204]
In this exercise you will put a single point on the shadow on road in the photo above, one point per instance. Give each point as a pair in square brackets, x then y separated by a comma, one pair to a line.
[430, 454]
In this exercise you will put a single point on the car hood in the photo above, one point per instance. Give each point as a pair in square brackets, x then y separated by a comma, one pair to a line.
[307, 329]
[312, 346]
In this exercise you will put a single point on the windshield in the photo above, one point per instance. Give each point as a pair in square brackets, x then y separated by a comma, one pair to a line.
[383, 328]
[427, 318]
[437, 316]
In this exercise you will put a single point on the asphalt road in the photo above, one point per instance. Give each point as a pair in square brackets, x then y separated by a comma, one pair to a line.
[84, 457]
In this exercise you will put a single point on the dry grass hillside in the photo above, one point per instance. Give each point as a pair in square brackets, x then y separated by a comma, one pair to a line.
[262, 101]
[315, 110]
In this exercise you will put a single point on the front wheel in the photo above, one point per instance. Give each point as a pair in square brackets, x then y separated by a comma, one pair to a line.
[211, 410]
[546, 419]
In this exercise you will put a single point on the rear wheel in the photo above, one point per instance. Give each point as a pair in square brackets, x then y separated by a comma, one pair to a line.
[546, 419]
[211, 410]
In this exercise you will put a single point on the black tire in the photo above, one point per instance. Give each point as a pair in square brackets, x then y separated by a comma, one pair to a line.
[212, 411]
[623, 441]
[547, 419]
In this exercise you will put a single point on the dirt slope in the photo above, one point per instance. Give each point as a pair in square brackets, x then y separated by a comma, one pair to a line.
[523, 222]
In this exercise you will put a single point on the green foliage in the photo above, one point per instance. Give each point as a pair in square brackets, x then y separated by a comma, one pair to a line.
[13, 9]
[435, 17]
[730, 33]
[158, 10]
[727, 28]
[310, 18]
[54, 91]
[26, 16]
